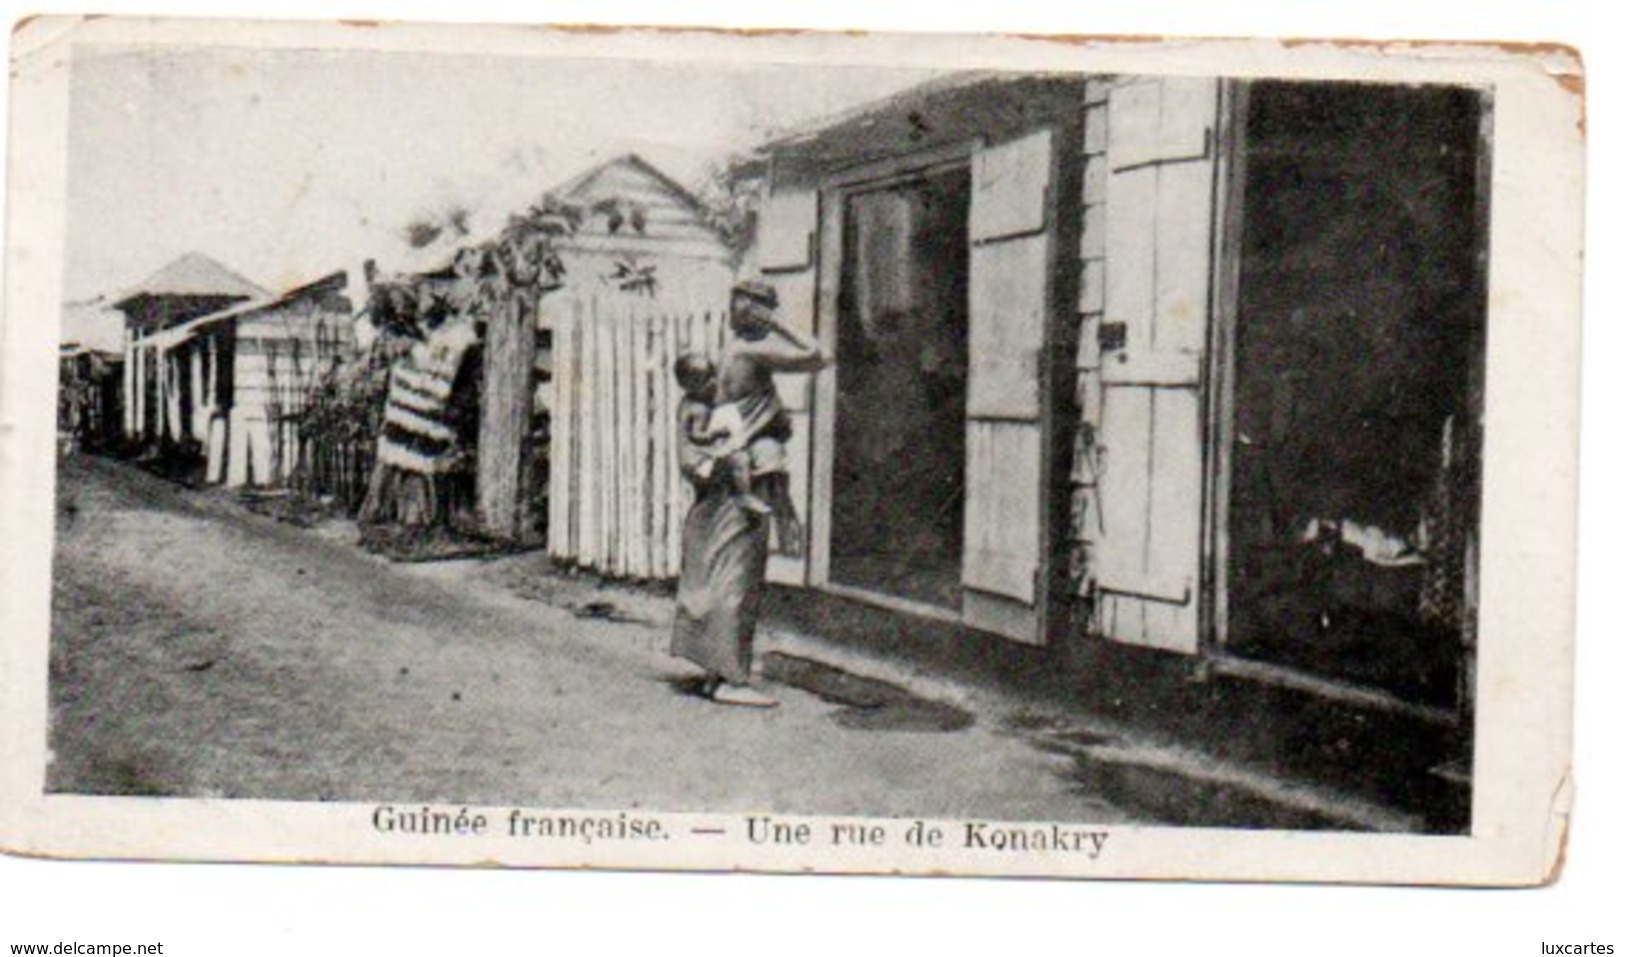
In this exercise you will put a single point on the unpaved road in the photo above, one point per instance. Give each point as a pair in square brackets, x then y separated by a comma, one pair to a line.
[201, 650]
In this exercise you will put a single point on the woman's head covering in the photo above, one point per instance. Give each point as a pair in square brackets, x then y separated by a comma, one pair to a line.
[750, 310]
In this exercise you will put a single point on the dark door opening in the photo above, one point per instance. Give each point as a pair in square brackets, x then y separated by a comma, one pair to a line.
[898, 494]
[1358, 383]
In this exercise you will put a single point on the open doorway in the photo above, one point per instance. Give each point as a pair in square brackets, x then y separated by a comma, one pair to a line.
[902, 337]
[1358, 384]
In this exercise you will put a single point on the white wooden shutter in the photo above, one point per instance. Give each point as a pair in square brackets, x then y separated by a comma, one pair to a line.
[1161, 136]
[1011, 236]
[786, 233]
[785, 230]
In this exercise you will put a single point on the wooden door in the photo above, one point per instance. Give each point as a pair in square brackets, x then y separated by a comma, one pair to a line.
[1011, 234]
[786, 259]
[1161, 156]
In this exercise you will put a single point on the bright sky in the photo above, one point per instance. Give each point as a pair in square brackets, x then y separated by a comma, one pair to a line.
[285, 165]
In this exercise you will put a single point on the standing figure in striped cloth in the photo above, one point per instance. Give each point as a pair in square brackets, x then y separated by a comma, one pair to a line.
[432, 394]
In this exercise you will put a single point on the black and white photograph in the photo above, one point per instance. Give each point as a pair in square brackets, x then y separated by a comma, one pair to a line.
[808, 452]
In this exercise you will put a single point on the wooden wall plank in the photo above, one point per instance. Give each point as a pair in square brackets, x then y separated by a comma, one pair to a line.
[633, 460]
[625, 476]
[675, 483]
[587, 509]
[616, 421]
[661, 435]
[604, 481]
[642, 452]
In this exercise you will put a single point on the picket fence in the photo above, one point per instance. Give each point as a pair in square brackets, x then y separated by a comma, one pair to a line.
[616, 496]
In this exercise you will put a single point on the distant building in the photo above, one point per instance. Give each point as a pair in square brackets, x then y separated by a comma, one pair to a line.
[156, 395]
[249, 370]
[90, 382]
[92, 324]
[89, 397]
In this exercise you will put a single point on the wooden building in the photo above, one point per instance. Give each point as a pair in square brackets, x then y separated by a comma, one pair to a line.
[1166, 362]
[90, 381]
[156, 393]
[247, 372]
[90, 395]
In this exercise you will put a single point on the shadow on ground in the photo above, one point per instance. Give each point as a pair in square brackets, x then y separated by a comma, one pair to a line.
[868, 704]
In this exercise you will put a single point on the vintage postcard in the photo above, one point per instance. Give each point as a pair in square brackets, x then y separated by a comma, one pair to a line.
[681, 449]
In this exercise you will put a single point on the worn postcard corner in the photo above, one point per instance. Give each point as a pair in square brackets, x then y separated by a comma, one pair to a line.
[790, 452]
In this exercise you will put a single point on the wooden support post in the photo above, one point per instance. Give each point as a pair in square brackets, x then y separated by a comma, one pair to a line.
[562, 497]
[503, 476]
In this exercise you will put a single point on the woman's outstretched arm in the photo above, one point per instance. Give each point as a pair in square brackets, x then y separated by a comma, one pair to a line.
[785, 350]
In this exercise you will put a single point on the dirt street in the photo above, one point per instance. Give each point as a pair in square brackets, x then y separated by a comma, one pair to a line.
[202, 650]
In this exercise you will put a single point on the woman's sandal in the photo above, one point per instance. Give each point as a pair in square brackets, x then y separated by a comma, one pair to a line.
[742, 695]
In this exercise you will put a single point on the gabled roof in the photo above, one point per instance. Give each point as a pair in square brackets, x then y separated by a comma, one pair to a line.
[585, 185]
[192, 275]
[664, 208]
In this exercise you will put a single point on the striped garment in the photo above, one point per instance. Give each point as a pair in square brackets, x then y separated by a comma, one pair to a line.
[419, 434]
